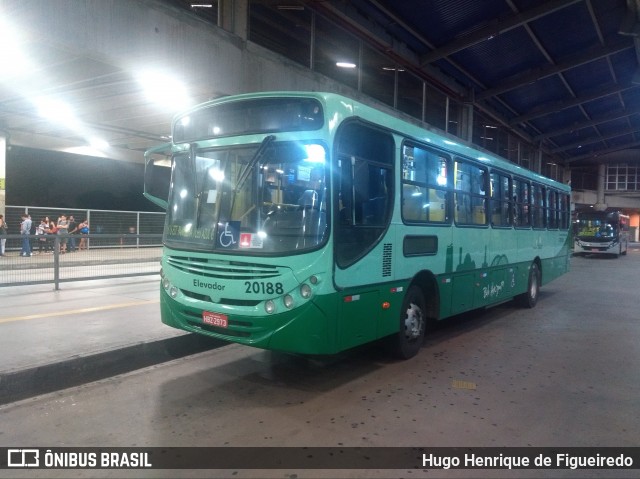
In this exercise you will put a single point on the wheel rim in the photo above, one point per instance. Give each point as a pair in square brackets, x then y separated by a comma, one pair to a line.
[534, 284]
[413, 322]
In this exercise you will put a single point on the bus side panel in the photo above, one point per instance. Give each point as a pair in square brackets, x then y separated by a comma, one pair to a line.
[496, 277]
[364, 286]
[492, 285]
[432, 262]
[471, 259]
[358, 317]
[558, 261]
[462, 293]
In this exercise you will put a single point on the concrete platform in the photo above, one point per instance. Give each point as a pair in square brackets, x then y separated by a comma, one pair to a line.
[87, 330]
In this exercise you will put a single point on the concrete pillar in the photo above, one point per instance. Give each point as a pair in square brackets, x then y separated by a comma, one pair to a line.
[3, 173]
[600, 203]
[233, 16]
[466, 122]
[537, 165]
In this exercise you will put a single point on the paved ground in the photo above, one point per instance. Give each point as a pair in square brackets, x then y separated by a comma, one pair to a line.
[562, 374]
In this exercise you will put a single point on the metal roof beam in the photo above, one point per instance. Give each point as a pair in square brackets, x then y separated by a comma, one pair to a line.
[595, 139]
[558, 106]
[585, 124]
[599, 154]
[495, 29]
[547, 71]
[375, 36]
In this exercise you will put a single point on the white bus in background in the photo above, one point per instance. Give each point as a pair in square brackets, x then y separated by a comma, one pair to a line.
[602, 232]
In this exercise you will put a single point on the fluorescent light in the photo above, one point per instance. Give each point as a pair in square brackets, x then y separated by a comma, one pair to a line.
[345, 65]
[98, 143]
[164, 90]
[58, 112]
[13, 61]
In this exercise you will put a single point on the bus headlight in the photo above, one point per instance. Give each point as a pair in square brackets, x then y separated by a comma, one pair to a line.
[166, 283]
[305, 291]
[288, 301]
[270, 306]
[173, 292]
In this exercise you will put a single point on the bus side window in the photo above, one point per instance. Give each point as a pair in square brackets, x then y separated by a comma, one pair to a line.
[499, 192]
[552, 209]
[470, 185]
[563, 217]
[424, 185]
[537, 206]
[521, 203]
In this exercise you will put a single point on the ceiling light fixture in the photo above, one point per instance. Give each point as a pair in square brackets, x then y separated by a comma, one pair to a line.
[164, 90]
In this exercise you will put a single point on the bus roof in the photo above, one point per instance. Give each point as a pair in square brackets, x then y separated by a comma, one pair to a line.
[399, 122]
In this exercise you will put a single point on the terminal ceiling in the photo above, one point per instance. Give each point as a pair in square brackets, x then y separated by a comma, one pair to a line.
[562, 74]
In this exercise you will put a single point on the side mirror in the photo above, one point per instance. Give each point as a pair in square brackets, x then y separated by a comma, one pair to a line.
[157, 175]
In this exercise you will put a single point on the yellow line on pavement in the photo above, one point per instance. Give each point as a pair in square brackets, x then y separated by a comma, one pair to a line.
[77, 311]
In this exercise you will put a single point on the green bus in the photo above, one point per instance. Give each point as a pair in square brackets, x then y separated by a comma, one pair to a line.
[311, 223]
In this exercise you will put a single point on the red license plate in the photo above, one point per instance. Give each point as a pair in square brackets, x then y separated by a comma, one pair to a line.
[215, 319]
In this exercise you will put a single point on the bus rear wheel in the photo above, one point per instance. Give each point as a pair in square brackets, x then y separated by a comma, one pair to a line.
[530, 298]
[409, 339]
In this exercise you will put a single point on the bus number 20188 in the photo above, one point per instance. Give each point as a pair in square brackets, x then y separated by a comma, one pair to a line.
[258, 287]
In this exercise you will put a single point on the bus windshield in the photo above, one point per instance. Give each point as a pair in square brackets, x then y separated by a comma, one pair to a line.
[267, 198]
[591, 228]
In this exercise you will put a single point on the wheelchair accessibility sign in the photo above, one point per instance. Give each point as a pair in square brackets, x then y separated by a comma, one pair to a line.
[228, 236]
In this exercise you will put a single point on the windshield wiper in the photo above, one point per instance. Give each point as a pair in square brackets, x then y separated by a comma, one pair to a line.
[252, 162]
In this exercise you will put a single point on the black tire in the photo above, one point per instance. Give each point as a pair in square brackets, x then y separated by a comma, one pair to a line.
[410, 337]
[530, 297]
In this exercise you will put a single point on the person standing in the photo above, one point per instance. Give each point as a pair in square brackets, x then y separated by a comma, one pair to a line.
[73, 231]
[51, 232]
[25, 231]
[63, 232]
[3, 233]
[41, 233]
[83, 227]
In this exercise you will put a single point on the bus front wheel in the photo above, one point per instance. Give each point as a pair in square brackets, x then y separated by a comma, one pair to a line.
[530, 297]
[410, 337]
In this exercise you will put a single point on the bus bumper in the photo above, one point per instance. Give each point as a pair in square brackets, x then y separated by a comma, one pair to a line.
[304, 329]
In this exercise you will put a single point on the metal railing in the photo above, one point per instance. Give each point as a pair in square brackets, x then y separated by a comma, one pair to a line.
[120, 243]
[100, 221]
[102, 256]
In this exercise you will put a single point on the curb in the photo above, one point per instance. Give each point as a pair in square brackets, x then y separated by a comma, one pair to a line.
[47, 378]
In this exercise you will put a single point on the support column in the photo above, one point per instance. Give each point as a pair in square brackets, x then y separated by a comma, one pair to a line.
[600, 203]
[466, 121]
[233, 16]
[3, 173]
[537, 166]
[566, 175]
